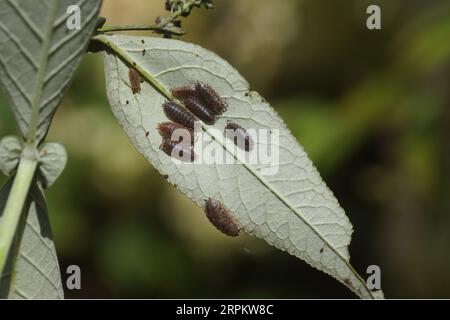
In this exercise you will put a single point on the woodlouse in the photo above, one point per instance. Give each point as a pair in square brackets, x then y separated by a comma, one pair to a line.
[239, 135]
[184, 92]
[221, 218]
[178, 114]
[135, 80]
[177, 150]
[200, 110]
[210, 97]
[171, 130]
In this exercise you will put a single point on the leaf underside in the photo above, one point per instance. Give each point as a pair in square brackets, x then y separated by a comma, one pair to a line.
[38, 55]
[35, 272]
[292, 210]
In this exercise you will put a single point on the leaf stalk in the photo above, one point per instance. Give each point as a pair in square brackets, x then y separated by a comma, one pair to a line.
[10, 218]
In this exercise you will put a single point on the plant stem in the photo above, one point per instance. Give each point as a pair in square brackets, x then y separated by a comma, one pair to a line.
[16, 200]
[158, 27]
[135, 27]
[125, 56]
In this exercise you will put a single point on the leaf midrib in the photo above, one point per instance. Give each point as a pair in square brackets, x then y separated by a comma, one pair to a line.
[37, 93]
[164, 91]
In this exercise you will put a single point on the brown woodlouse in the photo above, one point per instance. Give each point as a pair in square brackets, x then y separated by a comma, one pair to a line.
[178, 114]
[184, 92]
[135, 80]
[221, 218]
[177, 150]
[201, 111]
[239, 135]
[210, 97]
[170, 130]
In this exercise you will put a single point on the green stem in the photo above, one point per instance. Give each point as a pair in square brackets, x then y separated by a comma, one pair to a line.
[135, 27]
[158, 27]
[125, 56]
[16, 200]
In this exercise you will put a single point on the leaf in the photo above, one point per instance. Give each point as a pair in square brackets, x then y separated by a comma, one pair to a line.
[52, 159]
[38, 56]
[32, 271]
[292, 210]
[10, 150]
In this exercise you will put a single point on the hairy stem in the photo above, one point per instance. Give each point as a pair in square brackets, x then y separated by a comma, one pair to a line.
[10, 218]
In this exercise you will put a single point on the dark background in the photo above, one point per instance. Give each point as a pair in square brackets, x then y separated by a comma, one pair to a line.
[371, 108]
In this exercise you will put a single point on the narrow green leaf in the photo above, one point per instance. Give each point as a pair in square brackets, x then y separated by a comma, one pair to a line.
[32, 271]
[38, 56]
[292, 209]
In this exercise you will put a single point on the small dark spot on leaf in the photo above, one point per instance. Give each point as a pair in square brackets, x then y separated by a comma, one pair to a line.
[147, 133]
[321, 250]
[142, 41]
[127, 102]
[143, 52]
[348, 282]
[134, 63]
[165, 176]
[246, 94]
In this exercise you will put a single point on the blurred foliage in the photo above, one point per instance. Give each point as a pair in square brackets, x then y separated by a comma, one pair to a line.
[372, 109]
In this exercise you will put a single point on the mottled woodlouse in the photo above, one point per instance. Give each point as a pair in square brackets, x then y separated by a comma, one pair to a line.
[170, 130]
[201, 94]
[239, 135]
[177, 150]
[178, 114]
[210, 97]
[135, 80]
[221, 218]
[195, 106]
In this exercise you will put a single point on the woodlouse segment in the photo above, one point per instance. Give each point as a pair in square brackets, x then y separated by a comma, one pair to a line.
[177, 150]
[135, 80]
[221, 218]
[176, 132]
[178, 114]
[200, 110]
[182, 93]
[239, 135]
[210, 97]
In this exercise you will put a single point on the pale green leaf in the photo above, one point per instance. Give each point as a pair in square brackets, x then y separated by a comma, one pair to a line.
[10, 150]
[32, 271]
[38, 55]
[52, 160]
[292, 210]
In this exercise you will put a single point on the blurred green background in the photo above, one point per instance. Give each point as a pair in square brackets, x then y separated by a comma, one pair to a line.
[371, 108]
